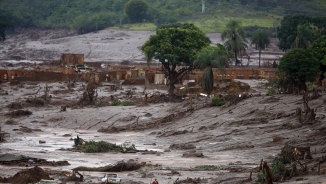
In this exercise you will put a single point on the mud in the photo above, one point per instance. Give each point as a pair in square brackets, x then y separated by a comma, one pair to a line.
[32, 175]
[232, 138]
[120, 166]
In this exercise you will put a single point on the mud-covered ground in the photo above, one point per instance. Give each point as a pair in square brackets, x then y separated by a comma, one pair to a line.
[107, 45]
[217, 144]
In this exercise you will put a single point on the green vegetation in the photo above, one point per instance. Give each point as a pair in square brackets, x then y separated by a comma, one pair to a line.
[138, 26]
[96, 147]
[187, 40]
[297, 67]
[299, 31]
[261, 40]
[207, 59]
[117, 102]
[5, 23]
[136, 10]
[270, 91]
[277, 167]
[102, 146]
[235, 37]
[206, 167]
[98, 14]
[319, 50]
[217, 102]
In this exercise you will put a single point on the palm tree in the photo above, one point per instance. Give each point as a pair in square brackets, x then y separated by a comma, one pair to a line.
[209, 58]
[260, 39]
[302, 38]
[236, 38]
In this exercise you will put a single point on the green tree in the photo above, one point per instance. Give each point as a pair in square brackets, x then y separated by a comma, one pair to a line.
[289, 27]
[260, 39]
[176, 48]
[302, 38]
[297, 67]
[5, 23]
[207, 59]
[236, 38]
[136, 10]
[319, 50]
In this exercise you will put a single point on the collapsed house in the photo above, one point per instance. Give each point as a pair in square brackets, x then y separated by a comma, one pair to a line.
[71, 66]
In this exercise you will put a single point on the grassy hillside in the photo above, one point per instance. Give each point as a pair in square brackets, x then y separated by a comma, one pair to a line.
[93, 15]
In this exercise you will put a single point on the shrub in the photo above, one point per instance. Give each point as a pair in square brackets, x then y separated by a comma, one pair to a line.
[260, 177]
[270, 91]
[117, 102]
[311, 86]
[277, 167]
[127, 146]
[101, 146]
[217, 102]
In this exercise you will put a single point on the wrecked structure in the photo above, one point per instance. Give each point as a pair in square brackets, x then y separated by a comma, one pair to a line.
[72, 65]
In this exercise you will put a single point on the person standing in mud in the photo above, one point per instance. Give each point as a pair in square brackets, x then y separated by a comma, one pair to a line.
[155, 181]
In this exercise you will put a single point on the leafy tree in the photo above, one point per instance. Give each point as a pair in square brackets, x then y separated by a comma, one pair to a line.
[5, 23]
[319, 50]
[176, 48]
[302, 38]
[207, 59]
[261, 40]
[289, 27]
[136, 10]
[236, 38]
[297, 67]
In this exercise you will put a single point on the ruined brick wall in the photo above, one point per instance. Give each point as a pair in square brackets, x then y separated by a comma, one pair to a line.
[134, 81]
[238, 74]
[47, 76]
[8, 75]
[71, 59]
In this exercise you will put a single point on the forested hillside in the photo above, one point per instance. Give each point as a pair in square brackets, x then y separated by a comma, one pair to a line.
[86, 15]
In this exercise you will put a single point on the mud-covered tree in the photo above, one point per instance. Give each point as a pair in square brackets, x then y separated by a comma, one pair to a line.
[136, 10]
[235, 37]
[297, 67]
[207, 59]
[260, 39]
[89, 95]
[176, 47]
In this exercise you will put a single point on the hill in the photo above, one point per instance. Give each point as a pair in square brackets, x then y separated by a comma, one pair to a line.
[93, 15]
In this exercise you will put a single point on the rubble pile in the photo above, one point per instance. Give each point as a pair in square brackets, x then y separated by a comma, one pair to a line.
[32, 175]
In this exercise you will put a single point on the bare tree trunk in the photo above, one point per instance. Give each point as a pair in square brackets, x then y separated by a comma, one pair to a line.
[171, 91]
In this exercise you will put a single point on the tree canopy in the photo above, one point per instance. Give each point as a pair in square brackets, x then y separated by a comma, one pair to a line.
[261, 40]
[319, 50]
[235, 37]
[136, 10]
[292, 26]
[5, 23]
[176, 48]
[302, 38]
[297, 67]
[65, 13]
